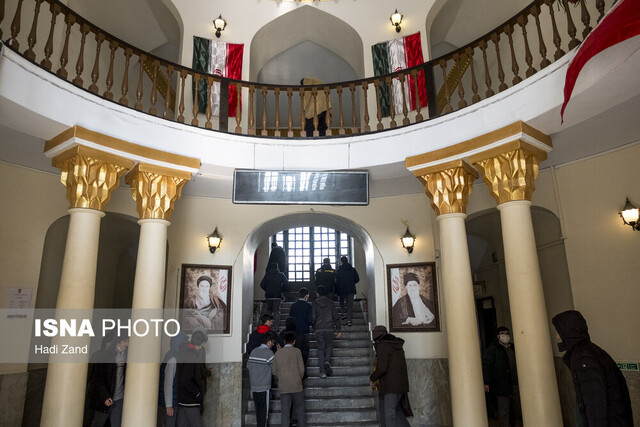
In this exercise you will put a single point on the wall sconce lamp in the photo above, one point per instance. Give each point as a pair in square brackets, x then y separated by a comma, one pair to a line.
[630, 215]
[214, 240]
[408, 240]
[396, 20]
[220, 24]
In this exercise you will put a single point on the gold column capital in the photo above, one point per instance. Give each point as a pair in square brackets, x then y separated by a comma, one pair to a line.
[510, 170]
[90, 175]
[448, 185]
[155, 189]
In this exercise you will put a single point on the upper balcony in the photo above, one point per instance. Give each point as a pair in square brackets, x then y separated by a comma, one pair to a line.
[59, 70]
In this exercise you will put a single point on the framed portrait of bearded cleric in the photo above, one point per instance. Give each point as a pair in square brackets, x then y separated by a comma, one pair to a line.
[205, 298]
[413, 298]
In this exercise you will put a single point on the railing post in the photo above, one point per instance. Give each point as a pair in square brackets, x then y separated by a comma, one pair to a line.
[15, 27]
[48, 48]
[183, 77]
[31, 40]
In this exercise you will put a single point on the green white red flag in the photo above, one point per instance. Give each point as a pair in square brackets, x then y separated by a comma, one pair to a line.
[221, 59]
[395, 55]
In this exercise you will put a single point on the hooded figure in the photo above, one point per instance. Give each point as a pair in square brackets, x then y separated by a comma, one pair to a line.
[602, 397]
[389, 375]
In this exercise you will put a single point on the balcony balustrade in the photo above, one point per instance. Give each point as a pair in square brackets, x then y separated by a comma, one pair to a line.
[48, 33]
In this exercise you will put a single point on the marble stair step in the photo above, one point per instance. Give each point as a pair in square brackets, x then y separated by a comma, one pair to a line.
[357, 324]
[341, 361]
[337, 381]
[284, 312]
[328, 391]
[346, 351]
[328, 403]
[327, 417]
[345, 343]
[340, 370]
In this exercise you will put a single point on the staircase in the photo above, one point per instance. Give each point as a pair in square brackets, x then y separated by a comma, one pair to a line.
[342, 399]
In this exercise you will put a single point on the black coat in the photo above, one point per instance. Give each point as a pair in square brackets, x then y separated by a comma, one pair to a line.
[325, 276]
[346, 279]
[274, 282]
[496, 370]
[601, 391]
[191, 380]
[279, 257]
[301, 312]
[390, 370]
[103, 378]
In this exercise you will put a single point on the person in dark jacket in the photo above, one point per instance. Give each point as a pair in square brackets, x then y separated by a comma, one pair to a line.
[602, 396]
[346, 279]
[191, 382]
[301, 313]
[274, 284]
[168, 388]
[326, 323]
[255, 339]
[501, 377]
[278, 256]
[389, 376]
[106, 387]
[326, 277]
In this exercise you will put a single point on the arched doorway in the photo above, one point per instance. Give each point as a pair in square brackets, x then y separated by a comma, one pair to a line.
[373, 268]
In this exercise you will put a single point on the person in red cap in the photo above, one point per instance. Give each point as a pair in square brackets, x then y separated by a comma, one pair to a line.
[389, 376]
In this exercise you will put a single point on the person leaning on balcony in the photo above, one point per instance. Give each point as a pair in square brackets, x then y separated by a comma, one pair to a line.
[320, 110]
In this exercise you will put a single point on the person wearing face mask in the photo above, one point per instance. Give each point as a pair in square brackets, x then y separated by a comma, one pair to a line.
[412, 309]
[602, 396]
[501, 377]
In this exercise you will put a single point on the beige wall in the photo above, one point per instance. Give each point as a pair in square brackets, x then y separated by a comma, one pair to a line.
[601, 252]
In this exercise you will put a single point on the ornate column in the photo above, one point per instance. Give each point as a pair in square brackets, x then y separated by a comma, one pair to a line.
[510, 171]
[155, 190]
[448, 185]
[90, 177]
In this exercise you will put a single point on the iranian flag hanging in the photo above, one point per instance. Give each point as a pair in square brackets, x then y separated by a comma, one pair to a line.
[221, 59]
[395, 55]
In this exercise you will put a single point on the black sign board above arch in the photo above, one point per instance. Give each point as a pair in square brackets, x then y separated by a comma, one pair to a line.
[301, 187]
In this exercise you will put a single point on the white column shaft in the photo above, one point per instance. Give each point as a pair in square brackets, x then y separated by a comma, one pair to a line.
[536, 370]
[65, 387]
[141, 383]
[465, 365]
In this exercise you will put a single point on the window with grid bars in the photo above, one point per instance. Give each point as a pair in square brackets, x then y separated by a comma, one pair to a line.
[306, 247]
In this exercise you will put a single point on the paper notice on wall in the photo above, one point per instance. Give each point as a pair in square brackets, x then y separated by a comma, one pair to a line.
[19, 297]
[395, 285]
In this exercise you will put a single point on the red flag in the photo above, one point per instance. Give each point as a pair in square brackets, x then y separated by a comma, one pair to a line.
[621, 23]
[413, 57]
[234, 71]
